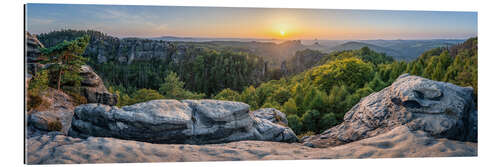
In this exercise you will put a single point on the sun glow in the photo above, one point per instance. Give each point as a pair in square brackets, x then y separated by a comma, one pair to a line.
[282, 32]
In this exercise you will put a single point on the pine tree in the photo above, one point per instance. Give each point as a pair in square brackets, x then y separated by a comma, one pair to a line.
[66, 59]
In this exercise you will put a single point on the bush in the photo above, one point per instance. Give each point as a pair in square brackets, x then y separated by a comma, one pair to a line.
[271, 104]
[328, 120]
[54, 125]
[143, 95]
[308, 133]
[227, 94]
[77, 98]
[310, 120]
[290, 107]
[173, 88]
[294, 123]
[36, 87]
[35, 102]
[281, 95]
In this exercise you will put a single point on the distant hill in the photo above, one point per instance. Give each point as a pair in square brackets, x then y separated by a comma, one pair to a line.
[358, 45]
[412, 49]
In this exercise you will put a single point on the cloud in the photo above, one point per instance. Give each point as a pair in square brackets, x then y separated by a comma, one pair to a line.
[40, 21]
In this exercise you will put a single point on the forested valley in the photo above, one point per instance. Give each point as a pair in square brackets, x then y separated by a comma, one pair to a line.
[313, 98]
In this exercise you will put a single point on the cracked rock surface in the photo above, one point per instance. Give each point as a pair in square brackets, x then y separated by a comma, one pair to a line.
[441, 109]
[181, 122]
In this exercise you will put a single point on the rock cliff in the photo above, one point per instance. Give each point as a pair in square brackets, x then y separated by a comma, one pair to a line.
[93, 89]
[32, 53]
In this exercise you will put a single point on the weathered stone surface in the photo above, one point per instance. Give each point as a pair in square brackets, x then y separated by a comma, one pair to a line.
[32, 54]
[57, 108]
[172, 121]
[93, 88]
[437, 108]
[271, 114]
[153, 121]
[271, 122]
[397, 143]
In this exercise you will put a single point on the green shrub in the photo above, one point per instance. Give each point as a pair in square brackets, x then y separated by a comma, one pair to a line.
[308, 133]
[227, 94]
[54, 125]
[310, 120]
[36, 87]
[294, 123]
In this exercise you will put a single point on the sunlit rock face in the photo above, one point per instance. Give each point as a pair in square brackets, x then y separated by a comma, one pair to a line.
[181, 122]
[437, 108]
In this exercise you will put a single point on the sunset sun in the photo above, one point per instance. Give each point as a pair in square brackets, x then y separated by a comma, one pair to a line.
[282, 32]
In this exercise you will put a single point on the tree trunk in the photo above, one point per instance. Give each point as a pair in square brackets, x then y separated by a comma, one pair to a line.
[59, 80]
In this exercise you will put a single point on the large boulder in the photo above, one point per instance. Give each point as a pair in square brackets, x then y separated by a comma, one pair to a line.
[93, 88]
[172, 121]
[442, 110]
[269, 122]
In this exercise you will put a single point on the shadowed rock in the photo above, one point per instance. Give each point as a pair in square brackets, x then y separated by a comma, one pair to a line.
[32, 54]
[437, 108]
[93, 88]
[172, 121]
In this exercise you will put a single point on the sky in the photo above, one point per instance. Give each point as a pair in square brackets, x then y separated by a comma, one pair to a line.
[278, 23]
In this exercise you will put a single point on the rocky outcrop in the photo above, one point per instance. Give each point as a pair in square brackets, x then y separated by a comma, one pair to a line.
[93, 88]
[187, 121]
[32, 54]
[439, 109]
[54, 113]
[398, 143]
[56, 107]
[272, 124]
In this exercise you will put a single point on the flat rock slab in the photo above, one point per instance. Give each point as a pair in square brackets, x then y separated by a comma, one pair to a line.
[180, 122]
[397, 143]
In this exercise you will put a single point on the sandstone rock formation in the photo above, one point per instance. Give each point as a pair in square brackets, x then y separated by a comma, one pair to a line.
[272, 124]
[440, 109]
[55, 114]
[398, 143]
[57, 107]
[93, 88]
[187, 121]
[32, 53]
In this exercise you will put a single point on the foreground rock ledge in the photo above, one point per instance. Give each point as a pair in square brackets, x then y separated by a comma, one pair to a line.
[440, 109]
[397, 143]
[181, 122]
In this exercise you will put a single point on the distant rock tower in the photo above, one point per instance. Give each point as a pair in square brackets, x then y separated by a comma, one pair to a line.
[32, 54]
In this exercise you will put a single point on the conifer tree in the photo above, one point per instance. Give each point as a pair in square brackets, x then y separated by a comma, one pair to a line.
[65, 60]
